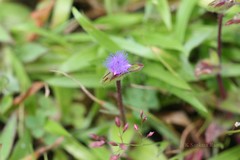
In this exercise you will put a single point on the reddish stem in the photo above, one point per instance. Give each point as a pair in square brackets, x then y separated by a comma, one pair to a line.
[119, 101]
[221, 88]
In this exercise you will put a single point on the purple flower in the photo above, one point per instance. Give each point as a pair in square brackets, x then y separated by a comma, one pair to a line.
[117, 63]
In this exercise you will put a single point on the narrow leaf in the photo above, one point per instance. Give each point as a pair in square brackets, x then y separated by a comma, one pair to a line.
[7, 137]
[98, 35]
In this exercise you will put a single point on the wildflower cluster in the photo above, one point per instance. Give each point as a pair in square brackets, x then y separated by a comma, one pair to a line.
[99, 141]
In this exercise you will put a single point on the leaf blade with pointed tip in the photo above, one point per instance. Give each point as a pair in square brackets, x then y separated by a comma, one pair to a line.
[101, 38]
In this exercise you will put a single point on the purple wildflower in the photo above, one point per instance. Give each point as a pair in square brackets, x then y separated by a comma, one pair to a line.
[117, 63]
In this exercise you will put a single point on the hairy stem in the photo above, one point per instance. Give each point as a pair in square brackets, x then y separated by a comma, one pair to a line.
[119, 101]
[221, 88]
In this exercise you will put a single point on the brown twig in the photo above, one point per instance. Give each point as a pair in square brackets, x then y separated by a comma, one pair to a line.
[40, 151]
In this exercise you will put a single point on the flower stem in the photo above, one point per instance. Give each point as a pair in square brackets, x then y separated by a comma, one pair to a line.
[119, 101]
[221, 88]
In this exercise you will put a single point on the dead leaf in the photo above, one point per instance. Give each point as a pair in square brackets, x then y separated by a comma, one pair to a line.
[178, 118]
[40, 151]
[205, 67]
[40, 16]
[213, 131]
[197, 155]
[32, 90]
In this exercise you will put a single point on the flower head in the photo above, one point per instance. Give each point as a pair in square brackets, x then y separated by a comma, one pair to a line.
[118, 66]
[117, 63]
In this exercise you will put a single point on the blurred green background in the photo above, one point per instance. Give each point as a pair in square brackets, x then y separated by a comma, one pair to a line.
[46, 115]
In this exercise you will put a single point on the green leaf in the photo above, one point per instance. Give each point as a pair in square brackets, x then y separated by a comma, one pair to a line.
[4, 80]
[78, 37]
[185, 95]
[79, 60]
[35, 124]
[30, 52]
[114, 133]
[19, 70]
[183, 16]
[232, 153]
[101, 38]
[143, 51]
[5, 36]
[71, 145]
[102, 153]
[119, 20]
[23, 147]
[231, 103]
[162, 40]
[6, 103]
[8, 13]
[147, 150]
[7, 137]
[61, 12]
[142, 99]
[64, 97]
[86, 79]
[230, 70]
[134, 47]
[55, 128]
[165, 13]
[197, 37]
[157, 71]
[49, 37]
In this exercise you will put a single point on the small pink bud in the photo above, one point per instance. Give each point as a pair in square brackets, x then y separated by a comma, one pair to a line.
[114, 157]
[135, 127]
[141, 114]
[150, 134]
[117, 121]
[97, 144]
[113, 143]
[125, 127]
[123, 146]
[144, 119]
[96, 137]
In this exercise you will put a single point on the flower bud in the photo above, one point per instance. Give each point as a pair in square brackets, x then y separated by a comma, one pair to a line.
[125, 127]
[117, 121]
[135, 127]
[150, 134]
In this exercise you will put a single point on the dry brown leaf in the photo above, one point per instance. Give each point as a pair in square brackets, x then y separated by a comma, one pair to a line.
[205, 67]
[213, 131]
[40, 16]
[178, 118]
[40, 151]
[32, 90]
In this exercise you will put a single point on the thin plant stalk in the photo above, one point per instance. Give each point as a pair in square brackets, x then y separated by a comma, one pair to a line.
[119, 102]
[221, 88]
